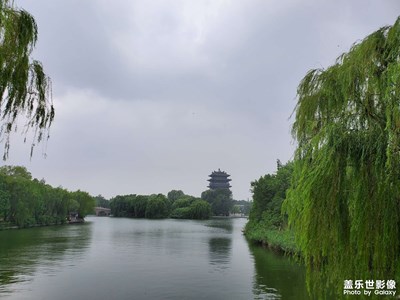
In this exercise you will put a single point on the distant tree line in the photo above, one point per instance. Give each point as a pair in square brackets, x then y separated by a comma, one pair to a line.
[157, 206]
[102, 202]
[176, 205]
[27, 201]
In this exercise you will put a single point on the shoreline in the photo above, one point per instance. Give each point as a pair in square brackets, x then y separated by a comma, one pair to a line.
[280, 241]
[14, 227]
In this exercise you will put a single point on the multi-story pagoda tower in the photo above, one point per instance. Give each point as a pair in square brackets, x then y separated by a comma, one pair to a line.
[219, 180]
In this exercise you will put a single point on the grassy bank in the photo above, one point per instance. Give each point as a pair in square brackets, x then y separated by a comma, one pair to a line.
[280, 240]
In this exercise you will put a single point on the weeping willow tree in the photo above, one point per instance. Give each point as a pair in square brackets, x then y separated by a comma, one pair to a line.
[25, 90]
[344, 203]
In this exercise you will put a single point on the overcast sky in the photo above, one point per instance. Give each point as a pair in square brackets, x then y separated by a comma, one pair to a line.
[153, 95]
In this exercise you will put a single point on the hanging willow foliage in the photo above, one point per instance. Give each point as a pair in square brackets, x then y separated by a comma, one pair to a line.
[344, 203]
[25, 90]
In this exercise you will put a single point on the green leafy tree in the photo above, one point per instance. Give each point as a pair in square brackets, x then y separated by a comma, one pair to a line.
[157, 207]
[23, 199]
[121, 206]
[4, 198]
[200, 210]
[26, 202]
[189, 207]
[175, 195]
[140, 206]
[4, 205]
[86, 203]
[263, 192]
[72, 205]
[220, 201]
[181, 213]
[102, 202]
[16, 172]
[38, 201]
[25, 90]
[344, 204]
[269, 192]
[184, 201]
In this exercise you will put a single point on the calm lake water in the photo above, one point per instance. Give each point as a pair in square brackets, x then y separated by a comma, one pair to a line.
[113, 258]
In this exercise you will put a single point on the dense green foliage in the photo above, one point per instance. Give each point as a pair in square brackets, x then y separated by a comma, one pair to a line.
[195, 209]
[26, 202]
[140, 206]
[175, 195]
[157, 207]
[269, 192]
[266, 221]
[102, 202]
[177, 205]
[124, 206]
[220, 201]
[344, 204]
[200, 209]
[25, 90]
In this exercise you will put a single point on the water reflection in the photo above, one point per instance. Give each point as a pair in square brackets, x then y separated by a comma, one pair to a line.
[221, 223]
[22, 252]
[113, 258]
[220, 242]
[220, 250]
[276, 276]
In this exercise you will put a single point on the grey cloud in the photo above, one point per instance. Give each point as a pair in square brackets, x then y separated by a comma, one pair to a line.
[154, 95]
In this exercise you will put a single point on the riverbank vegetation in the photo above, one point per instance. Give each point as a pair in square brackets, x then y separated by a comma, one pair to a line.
[26, 201]
[267, 224]
[344, 202]
[341, 211]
